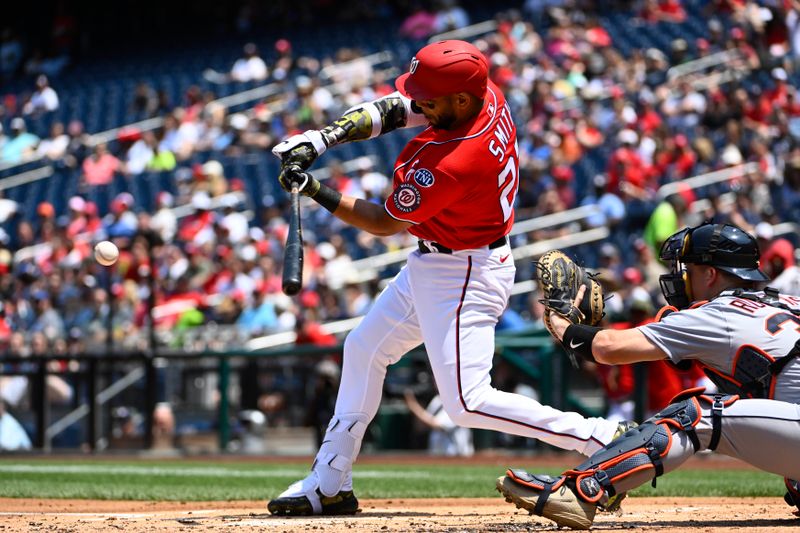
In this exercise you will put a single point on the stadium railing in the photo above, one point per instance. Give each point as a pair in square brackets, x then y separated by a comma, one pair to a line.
[723, 58]
[467, 32]
[706, 179]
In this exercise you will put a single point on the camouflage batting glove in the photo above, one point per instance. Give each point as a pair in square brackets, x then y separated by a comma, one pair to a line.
[302, 149]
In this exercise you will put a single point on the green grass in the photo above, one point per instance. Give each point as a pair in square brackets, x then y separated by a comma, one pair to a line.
[197, 481]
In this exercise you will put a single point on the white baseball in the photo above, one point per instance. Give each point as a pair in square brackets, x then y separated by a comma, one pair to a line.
[106, 253]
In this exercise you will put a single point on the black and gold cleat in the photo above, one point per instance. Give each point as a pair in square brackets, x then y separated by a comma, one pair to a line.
[343, 503]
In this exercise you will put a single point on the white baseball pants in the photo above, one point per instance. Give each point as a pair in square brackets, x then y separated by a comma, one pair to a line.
[451, 303]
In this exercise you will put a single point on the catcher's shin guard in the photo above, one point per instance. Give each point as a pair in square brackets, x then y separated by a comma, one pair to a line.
[641, 451]
[547, 496]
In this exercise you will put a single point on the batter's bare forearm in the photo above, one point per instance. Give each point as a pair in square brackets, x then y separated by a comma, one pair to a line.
[368, 216]
[360, 123]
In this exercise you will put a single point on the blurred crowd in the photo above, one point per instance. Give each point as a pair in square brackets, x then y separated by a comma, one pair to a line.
[215, 253]
[597, 125]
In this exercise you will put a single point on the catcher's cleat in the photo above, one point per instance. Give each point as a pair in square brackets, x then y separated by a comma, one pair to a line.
[547, 496]
[343, 503]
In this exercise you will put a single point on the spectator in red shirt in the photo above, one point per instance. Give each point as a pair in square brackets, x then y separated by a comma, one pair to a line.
[663, 11]
[198, 227]
[625, 161]
[778, 95]
[648, 119]
[739, 40]
[685, 158]
[776, 254]
[564, 177]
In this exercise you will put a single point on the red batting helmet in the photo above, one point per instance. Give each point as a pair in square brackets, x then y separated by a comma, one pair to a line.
[445, 67]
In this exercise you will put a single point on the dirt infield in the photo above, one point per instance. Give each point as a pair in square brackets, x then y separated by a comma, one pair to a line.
[706, 515]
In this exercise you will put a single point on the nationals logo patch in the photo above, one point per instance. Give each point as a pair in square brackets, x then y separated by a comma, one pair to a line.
[423, 177]
[414, 65]
[406, 198]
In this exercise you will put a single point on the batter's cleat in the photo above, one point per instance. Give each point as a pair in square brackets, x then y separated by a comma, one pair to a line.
[303, 498]
[614, 503]
[344, 503]
[623, 428]
[547, 496]
[792, 496]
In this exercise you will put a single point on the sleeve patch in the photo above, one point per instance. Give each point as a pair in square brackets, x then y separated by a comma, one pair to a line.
[406, 198]
[423, 177]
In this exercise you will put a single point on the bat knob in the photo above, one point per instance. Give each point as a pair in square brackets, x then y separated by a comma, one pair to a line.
[291, 288]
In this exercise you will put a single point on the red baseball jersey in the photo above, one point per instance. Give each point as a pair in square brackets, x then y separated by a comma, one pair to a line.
[458, 186]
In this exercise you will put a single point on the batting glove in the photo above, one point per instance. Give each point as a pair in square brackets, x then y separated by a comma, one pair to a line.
[307, 184]
[302, 149]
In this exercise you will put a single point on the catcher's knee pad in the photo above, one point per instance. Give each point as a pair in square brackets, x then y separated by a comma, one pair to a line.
[339, 450]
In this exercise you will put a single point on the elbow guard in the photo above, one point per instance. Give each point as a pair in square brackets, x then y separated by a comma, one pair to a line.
[368, 120]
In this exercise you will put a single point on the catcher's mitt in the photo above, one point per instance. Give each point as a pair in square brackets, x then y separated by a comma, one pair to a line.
[560, 279]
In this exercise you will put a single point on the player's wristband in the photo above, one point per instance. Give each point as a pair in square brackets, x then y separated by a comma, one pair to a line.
[578, 339]
[327, 197]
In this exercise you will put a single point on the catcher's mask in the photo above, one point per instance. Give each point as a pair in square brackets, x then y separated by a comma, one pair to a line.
[723, 246]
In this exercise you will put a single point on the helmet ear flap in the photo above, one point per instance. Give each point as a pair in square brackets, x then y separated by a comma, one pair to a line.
[687, 238]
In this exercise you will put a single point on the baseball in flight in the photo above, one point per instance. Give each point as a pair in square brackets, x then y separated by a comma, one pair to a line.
[106, 253]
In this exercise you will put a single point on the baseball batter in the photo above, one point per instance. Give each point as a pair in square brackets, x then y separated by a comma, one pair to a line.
[454, 188]
[747, 342]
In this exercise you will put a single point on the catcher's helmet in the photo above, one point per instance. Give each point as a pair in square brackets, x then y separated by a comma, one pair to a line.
[445, 67]
[723, 246]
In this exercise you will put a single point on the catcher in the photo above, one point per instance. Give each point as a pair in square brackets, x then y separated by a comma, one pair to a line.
[747, 341]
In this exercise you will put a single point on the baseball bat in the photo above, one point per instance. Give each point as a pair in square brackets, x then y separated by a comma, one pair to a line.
[293, 255]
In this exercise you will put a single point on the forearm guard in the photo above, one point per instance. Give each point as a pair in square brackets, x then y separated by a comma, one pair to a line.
[366, 121]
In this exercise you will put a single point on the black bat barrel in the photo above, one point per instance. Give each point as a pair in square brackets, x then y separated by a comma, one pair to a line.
[293, 255]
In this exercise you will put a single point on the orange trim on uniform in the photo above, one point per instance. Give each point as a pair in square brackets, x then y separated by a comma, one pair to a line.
[666, 310]
[686, 394]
